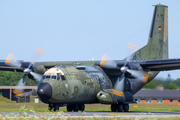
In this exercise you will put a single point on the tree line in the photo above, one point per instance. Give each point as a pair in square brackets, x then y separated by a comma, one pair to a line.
[161, 83]
[11, 79]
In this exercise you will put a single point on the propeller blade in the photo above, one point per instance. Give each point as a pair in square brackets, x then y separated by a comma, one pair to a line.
[119, 85]
[13, 63]
[19, 89]
[36, 76]
[36, 55]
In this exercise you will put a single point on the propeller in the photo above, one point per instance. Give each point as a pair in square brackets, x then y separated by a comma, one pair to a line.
[19, 89]
[129, 69]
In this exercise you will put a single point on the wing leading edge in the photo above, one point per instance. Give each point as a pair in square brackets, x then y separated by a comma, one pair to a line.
[151, 65]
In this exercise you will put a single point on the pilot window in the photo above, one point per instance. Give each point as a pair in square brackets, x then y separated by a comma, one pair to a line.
[62, 77]
[47, 77]
[58, 76]
[44, 77]
[53, 77]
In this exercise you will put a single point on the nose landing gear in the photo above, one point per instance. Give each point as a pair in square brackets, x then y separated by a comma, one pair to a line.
[54, 107]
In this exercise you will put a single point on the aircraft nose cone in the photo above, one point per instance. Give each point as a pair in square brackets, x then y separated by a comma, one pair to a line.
[44, 91]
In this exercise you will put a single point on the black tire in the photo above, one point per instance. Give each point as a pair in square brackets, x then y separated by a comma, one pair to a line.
[81, 107]
[50, 107]
[56, 107]
[126, 107]
[113, 107]
[75, 108]
[119, 107]
[69, 108]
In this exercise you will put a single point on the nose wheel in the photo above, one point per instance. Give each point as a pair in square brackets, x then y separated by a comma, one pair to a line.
[75, 107]
[54, 107]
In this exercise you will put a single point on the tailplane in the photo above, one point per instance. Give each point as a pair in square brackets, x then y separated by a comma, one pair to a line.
[157, 46]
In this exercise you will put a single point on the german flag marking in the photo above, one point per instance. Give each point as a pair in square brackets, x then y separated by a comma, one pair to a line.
[159, 27]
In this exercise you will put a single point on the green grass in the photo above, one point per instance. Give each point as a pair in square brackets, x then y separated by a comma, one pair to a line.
[5, 100]
[10, 106]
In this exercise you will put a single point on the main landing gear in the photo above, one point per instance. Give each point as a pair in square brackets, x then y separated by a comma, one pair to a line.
[120, 107]
[75, 107]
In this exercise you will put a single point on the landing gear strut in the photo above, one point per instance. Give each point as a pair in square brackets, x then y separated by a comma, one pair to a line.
[54, 107]
[75, 107]
[120, 107]
[50, 107]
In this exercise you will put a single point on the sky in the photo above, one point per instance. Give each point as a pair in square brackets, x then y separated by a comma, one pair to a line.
[73, 30]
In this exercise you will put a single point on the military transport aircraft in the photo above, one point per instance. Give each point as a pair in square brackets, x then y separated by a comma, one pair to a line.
[76, 83]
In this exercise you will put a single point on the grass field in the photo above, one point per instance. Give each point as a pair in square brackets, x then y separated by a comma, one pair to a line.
[11, 106]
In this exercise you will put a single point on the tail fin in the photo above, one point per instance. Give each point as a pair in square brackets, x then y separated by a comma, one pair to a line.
[157, 46]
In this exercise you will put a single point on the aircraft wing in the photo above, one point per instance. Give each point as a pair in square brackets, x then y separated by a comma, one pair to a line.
[152, 65]
[161, 64]
[47, 65]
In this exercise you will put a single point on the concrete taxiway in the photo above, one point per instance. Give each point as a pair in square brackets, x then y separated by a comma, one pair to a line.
[130, 114]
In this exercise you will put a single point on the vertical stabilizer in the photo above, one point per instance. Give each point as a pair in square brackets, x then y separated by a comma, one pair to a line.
[157, 46]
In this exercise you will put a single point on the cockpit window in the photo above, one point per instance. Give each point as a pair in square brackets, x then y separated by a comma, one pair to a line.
[43, 77]
[53, 77]
[62, 77]
[47, 77]
[58, 76]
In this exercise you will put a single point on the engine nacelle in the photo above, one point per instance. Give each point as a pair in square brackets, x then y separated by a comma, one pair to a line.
[130, 67]
[39, 69]
[110, 98]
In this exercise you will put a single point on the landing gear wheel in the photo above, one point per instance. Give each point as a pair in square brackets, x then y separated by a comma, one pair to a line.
[76, 107]
[113, 107]
[126, 107]
[81, 107]
[69, 108]
[119, 107]
[50, 107]
[56, 107]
